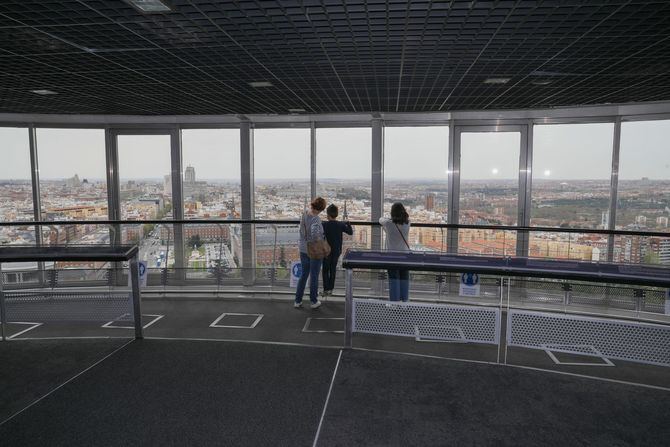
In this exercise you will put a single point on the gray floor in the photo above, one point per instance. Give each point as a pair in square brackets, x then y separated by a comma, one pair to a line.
[281, 323]
[177, 392]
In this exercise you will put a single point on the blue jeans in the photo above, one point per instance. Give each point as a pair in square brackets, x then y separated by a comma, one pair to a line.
[310, 267]
[399, 284]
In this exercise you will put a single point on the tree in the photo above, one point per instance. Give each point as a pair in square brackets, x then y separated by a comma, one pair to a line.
[194, 241]
[282, 257]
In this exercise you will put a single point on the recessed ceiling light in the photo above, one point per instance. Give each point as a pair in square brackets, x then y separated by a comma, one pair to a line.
[260, 84]
[44, 92]
[149, 5]
[494, 171]
[296, 110]
[496, 80]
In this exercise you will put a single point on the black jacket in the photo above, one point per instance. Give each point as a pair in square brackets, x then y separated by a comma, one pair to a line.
[333, 230]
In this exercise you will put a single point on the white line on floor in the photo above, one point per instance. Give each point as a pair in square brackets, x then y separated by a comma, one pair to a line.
[325, 405]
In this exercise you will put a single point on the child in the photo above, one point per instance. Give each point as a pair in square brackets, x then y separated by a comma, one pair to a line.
[333, 230]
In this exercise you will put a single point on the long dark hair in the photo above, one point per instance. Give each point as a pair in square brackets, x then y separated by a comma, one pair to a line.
[399, 214]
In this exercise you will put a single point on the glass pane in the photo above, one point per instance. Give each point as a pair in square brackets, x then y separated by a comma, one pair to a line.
[16, 200]
[489, 178]
[415, 172]
[643, 199]
[145, 177]
[76, 189]
[211, 163]
[281, 172]
[571, 172]
[343, 169]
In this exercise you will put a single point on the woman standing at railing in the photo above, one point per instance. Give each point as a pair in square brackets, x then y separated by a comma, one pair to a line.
[311, 232]
[397, 233]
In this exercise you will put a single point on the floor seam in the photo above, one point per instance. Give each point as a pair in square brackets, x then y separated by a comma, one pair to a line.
[325, 405]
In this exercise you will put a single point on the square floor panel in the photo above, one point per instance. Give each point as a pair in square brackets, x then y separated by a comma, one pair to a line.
[237, 320]
[324, 325]
[577, 355]
[17, 328]
[126, 321]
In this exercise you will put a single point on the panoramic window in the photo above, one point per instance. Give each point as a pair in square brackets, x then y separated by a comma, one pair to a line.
[16, 200]
[343, 174]
[415, 173]
[146, 193]
[76, 190]
[282, 183]
[572, 166]
[211, 190]
[643, 197]
[281, 172]
[343, 169]
[571, 173]
[489, 187]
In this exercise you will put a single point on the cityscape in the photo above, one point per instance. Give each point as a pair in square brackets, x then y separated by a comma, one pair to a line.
[642, 205]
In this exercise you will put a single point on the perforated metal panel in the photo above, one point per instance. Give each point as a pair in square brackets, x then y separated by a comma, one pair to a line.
[435, 321]
[63, 306]
[614, 339]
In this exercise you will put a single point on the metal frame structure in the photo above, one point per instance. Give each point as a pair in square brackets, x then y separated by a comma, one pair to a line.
[458, 122]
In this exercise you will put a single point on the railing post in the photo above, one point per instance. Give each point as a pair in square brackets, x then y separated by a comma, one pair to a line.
[348, 307]
[135, 282]
[3, 308]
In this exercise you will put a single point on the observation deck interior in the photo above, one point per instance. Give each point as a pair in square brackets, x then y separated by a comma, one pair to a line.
[527, 140]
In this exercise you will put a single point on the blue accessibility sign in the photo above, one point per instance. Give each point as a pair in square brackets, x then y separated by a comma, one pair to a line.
[297, 270]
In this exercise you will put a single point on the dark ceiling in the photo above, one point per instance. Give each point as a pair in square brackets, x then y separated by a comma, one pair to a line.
[323, 56]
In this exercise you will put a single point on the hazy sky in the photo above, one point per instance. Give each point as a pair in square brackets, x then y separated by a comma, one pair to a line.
[281, 154]
[573, 152]
[416, 152]
[492, 155]
[570, 151]
[213, 153]
[63, 155]
[344, 153]
[144, 156]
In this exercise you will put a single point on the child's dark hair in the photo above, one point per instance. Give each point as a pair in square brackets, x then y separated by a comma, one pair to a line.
[332, 211]
[399, 214]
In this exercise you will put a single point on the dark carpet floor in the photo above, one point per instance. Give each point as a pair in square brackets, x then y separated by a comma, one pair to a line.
[209, 393]
[30, 369]
[180, 393]
[395, 400]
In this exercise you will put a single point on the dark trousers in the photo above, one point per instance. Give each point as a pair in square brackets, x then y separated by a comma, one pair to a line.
[399, 284]
[329, 270]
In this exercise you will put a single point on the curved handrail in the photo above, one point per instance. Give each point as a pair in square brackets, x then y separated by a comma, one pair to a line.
[533, 229]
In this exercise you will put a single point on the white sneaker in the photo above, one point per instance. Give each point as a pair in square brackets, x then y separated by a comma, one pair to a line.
[297, 305]
[315, 305]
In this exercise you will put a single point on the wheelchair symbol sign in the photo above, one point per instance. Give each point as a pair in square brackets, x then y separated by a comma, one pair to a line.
[296, 272]
[142, 274]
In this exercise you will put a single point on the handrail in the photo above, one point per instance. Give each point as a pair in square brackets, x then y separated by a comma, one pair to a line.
[359, 223]
[106, 253]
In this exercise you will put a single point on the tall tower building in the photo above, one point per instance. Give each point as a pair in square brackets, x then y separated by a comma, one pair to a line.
[605, 219]
[167, 185]
[430, 201]
[189, 175]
